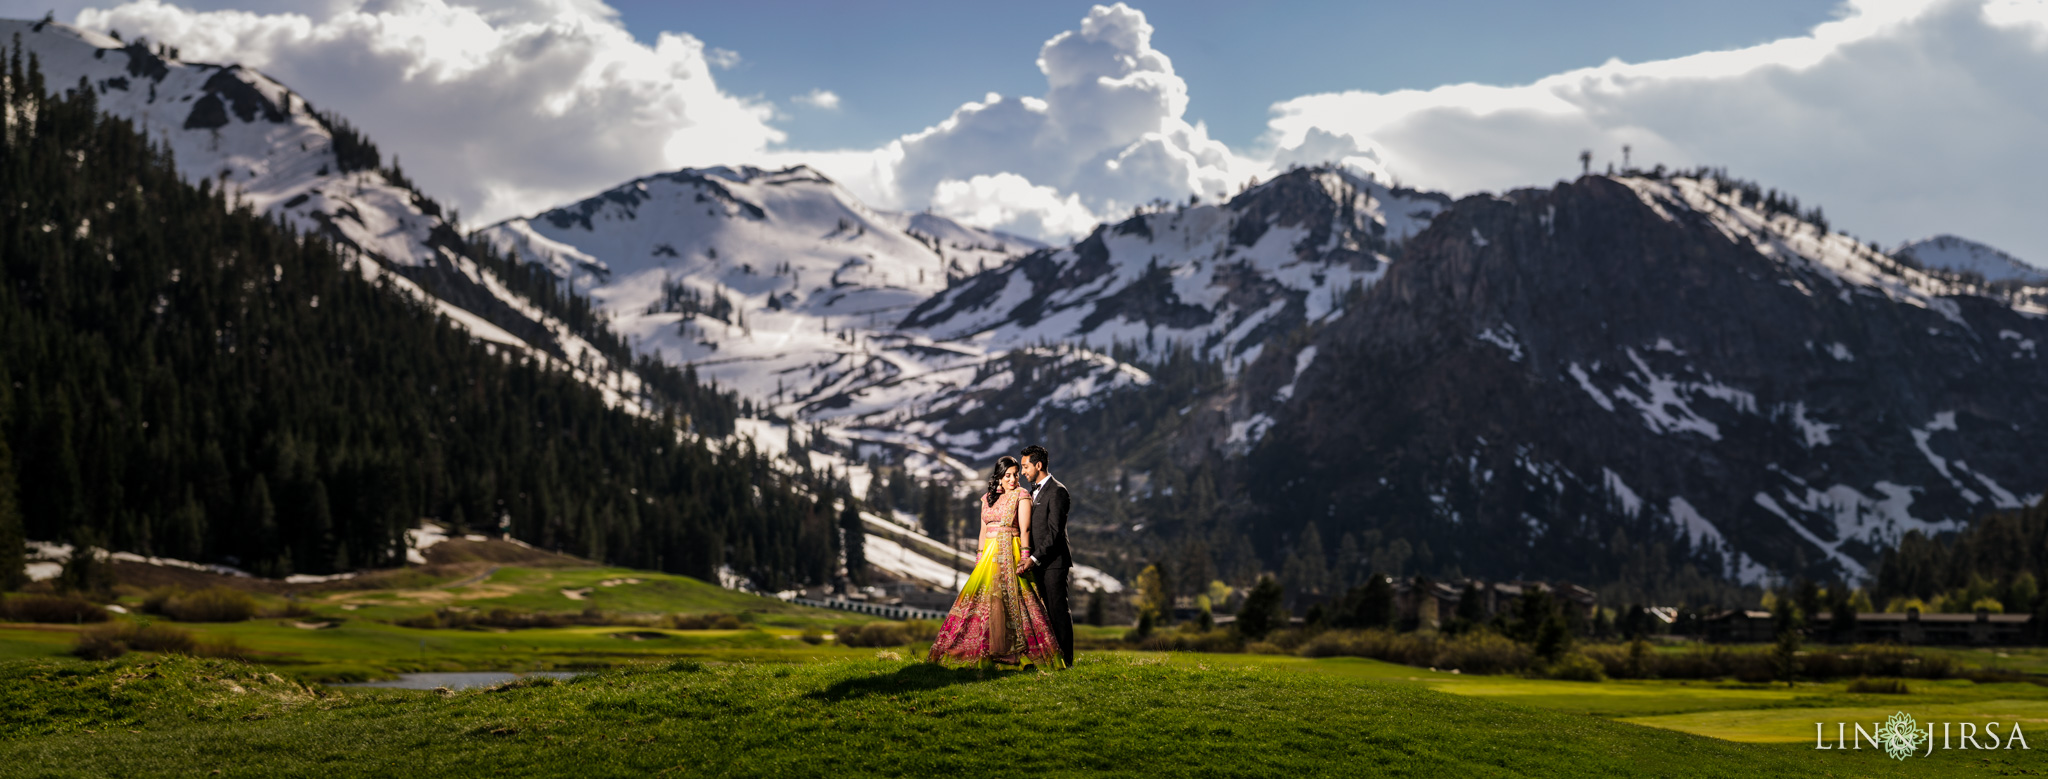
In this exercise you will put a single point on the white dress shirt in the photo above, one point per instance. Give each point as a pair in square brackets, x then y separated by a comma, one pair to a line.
[1035, 486]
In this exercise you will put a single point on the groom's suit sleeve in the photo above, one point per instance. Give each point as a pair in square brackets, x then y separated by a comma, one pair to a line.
[1061, 503]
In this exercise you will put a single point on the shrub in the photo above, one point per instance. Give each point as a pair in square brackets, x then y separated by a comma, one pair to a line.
[1478, 651]
[458, 618]
[55, 609]
[1575, 667]
[1191, 638]
[1262, 610]
[714, 621]
[1482, 652]
[219, 646]
[881, 634]
[1762, 664]
[111, 641]
[1881, 686]
[526, 682]
[812, 636]
[428, 621]
[294, 610]
[1378, 643]
[214, 604]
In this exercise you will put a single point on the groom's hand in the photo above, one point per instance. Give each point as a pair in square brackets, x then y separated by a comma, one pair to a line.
[1026, 566]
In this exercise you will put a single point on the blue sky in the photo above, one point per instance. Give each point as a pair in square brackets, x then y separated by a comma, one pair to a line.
[900, 66]
[1902, 118]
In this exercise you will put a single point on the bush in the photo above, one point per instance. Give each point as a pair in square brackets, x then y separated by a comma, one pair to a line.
[214, 604]
[1191, 638]
[1757, 664]
[1881, 686]
[294, 610]
[219, 646]
[1378, 643]
[1262, 610]
[1575, 667]
[111, 641]
[458, 618]
[1479, 651]
[881, 634]
[54, 609]
[712, 621]
[1482, 652]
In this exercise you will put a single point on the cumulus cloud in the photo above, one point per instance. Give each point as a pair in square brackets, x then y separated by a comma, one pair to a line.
[821, 99]
[1110, 130]
[1899, 118]
[1013, 203]
[506, 110]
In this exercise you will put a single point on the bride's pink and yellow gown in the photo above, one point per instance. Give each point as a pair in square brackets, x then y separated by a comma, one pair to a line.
[998, 616]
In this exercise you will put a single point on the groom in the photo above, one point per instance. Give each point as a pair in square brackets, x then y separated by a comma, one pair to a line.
[1050, 560]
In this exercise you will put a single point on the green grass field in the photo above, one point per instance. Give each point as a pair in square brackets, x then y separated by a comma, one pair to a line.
[363, 643]
[759, 701]
[1116, 714]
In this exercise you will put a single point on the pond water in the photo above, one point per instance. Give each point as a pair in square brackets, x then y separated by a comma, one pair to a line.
[457, 680]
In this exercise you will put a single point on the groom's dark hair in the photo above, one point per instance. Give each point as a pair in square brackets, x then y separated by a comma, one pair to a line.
[1037, 454]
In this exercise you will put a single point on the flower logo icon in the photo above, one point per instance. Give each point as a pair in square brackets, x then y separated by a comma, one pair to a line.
[1900, 736]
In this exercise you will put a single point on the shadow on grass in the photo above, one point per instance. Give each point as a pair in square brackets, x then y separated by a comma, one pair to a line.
[914, 678]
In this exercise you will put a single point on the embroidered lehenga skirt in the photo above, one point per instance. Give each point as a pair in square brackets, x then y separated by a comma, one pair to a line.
[998, 616]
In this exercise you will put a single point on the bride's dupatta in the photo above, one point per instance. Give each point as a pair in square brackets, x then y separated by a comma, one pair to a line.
[998, 616]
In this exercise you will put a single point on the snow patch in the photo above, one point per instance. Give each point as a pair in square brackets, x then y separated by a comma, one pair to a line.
[1505, 339]
[1301, 363]
[2022, 345]
[1631, 504]
[1812, 432]
[1586, 383]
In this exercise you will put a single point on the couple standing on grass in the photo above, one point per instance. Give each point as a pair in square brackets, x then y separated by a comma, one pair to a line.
[999, 617]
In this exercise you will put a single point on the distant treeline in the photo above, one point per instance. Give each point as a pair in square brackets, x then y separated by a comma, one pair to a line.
[1998, 561]
[185, 379]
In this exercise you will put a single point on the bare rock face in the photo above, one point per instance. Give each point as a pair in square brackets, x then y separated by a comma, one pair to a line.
[1550, 375]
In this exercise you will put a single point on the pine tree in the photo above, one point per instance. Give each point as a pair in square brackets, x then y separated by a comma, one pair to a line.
[938, 514]
[856, 543]
[13, 542]
[181, 353]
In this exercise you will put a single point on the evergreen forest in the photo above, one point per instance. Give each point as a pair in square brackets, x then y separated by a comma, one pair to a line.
[182, 377]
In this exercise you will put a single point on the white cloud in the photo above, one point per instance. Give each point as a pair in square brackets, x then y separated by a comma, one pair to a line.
[1009, 202]
[1902, 117]
[1899, 118]
[1110, 130]
[505, 110]
[821, 99]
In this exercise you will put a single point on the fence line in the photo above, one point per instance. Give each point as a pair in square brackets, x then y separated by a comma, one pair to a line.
[872, 609]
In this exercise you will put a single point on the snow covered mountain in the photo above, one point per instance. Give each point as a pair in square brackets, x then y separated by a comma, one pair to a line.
[1656, 372]
[1962, 255]
[756, 277]
[268, 147]
[1219, 279]
[1652, 372]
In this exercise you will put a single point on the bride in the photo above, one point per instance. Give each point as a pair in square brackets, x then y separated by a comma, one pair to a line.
[998, 617]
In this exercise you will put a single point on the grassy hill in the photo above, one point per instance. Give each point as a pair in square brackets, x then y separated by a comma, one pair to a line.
[1116, 714]
[385, 622]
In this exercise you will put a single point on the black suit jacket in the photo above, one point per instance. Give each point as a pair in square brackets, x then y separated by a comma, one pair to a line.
[1049, 509]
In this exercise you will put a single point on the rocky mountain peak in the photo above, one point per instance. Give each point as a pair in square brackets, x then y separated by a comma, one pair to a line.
[1658, 358]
